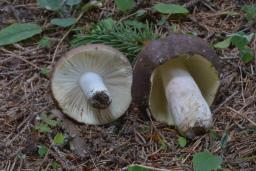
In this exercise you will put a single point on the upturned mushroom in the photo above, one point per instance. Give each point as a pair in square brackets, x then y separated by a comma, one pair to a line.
[177, 78]
[92, 84]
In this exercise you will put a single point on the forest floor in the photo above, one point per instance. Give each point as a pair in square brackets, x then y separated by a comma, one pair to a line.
[25, 95]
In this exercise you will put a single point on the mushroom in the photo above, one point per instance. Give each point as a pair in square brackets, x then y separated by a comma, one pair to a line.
[92, 84]
[177, 78]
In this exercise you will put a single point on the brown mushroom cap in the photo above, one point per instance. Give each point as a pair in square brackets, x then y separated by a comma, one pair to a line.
[165, 50]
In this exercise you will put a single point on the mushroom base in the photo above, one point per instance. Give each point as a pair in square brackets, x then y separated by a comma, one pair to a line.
[100, 100]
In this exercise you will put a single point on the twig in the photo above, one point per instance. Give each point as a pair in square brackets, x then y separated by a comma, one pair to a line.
[242, 84]
[223, 103]
[21, 163]
[191, 3]
[199, 24]
[238, 113]
[154, 127]
[30, 117]
[25, 127]
[128, 16]
[208, 6]
[15, 13]
[14, 79]
[13, 165]
[19, 57]
[197, 143]
[97, 169]
[16, 136]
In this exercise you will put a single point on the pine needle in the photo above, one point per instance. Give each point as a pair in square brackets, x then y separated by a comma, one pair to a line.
[129, 37]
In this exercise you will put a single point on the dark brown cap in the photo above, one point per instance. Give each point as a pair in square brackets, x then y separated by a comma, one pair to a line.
[161, 51]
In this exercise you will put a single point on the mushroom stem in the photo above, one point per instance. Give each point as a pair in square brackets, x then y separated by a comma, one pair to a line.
[189, 110]
[95, 90]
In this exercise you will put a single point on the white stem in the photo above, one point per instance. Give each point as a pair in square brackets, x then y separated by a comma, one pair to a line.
[188, 107]
[95, 90]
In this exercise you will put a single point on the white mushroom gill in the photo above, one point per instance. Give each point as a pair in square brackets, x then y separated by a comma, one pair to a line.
[182, 91]
[87, 70]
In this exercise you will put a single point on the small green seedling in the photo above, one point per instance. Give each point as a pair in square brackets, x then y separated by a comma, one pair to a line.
[45, 42]
[42, 151]
[250, 12]
[58, 139]
[55, 165]
[46, 124]
[45, 71]
[182, 142]
[242, 42]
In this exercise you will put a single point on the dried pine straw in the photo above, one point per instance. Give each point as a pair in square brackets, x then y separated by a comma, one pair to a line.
[25, 93]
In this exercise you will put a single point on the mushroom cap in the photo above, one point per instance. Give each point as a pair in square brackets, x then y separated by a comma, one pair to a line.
[201, 61]
[106, 61]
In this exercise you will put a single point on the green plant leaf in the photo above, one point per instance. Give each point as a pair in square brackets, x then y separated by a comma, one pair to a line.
[108, 23]
[124, 5]
[170, 8]
[223, 44]
[205, 161]
[214, 135]
[246, 55]
[161, 22]
[250, 12]
[144, 129]
[182, 141]
[53, 5]
[141, 13]
[45, 42]
[49, 121]
[239, 41]
[138, 167]
[63, 22]
[45, 71]
[58, 139]
[17, 32]
[42, 127]
[55, 165]
[72, 2]
[42, 151]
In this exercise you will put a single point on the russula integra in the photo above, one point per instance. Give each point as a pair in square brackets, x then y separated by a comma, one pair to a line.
[92, 84]
[177, 78]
